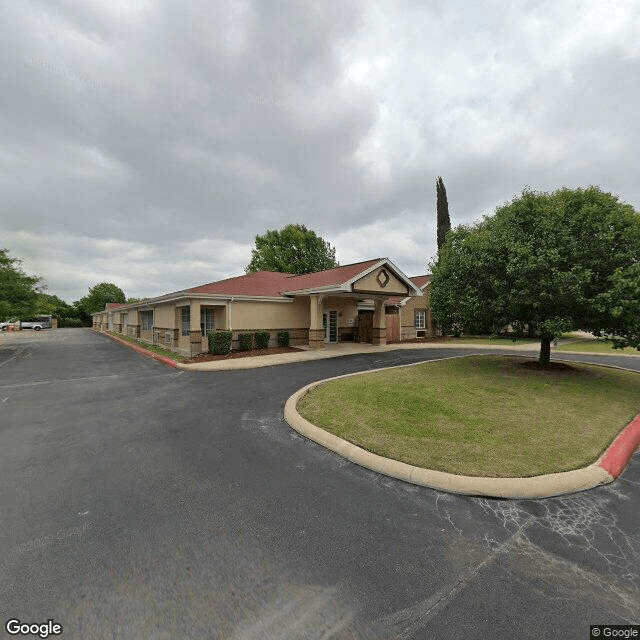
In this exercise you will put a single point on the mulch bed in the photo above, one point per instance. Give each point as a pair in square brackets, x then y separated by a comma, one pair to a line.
[551, 366]
[208, 357]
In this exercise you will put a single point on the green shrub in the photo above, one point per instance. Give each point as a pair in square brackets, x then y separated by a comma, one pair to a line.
[262, 339]
[219, 342]
[456, 330]
[245, 341]
[283, 338]
[69, 322]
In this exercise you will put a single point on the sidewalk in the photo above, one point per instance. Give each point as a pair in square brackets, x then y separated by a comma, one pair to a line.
[347, 349]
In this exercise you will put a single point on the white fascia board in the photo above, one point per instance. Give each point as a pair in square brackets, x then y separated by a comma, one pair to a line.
[257, 299]
[364, 273]
[331, 288]
[214, 297]
[405, 279]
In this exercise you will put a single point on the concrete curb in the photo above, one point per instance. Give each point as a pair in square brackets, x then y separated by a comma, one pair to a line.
[621, 450]
[255, 362]
[606, 469]
[141, 350]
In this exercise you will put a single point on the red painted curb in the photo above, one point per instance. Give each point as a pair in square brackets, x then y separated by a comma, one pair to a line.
[617, 456]
[149, 354]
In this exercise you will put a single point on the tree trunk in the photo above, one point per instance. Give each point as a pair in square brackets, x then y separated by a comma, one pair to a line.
[545, 350]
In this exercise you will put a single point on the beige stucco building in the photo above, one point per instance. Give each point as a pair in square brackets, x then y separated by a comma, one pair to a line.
[348, 303]
[410, 317]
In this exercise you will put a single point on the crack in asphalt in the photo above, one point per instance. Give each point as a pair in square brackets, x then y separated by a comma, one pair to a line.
[569, 550]
[418, 615]
[65, 380]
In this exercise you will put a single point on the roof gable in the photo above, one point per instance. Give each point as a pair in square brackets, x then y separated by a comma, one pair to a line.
[330, 277]
[381, 280]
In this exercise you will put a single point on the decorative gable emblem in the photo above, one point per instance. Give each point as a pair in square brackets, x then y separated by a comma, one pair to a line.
[383, 278]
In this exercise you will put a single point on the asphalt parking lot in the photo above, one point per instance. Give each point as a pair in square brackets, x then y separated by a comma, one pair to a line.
[138, 501]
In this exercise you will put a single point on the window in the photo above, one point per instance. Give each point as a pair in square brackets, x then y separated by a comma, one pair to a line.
[146, 320]
[420, 318]
[206, 320]
[185, 319]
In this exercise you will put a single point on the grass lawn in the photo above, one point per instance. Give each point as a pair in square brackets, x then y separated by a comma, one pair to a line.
[150, 347]
[480, 416]
[598, 345]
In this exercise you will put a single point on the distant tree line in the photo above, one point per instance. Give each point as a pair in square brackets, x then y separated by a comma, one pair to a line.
[23, 296]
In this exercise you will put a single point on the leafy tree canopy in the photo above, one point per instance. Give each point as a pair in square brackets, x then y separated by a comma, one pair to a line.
[553, 261]
[50, 305]
[98, 297]
[18, 291]
[294, 249]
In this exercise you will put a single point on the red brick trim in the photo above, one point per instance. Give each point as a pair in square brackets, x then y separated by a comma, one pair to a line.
[617, 456]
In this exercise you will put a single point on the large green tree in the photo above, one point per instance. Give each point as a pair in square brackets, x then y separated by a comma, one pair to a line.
[98, 297]
[51, 305]
[294, 249]
[18, 291]
[552, 261]
[442, 209]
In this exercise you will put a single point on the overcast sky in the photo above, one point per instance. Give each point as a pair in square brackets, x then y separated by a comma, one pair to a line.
[147, 142]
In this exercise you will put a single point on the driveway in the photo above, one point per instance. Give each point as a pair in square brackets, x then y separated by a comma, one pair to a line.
[138, 502]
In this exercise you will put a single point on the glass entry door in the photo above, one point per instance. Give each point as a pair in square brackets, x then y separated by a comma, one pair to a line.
[330, 322]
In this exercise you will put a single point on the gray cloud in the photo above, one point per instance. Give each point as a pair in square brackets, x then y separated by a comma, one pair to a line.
[148, 143]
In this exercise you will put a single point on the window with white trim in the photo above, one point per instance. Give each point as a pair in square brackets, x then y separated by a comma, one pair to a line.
[146, 320]
[420, 316]
[206, 320]
[185, 320]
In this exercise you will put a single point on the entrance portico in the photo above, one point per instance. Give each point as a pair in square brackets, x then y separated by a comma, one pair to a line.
[337, 312]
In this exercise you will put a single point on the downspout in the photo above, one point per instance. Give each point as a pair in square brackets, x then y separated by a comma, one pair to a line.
[230, 301]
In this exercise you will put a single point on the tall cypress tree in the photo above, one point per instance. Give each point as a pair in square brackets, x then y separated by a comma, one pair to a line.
[442, 206]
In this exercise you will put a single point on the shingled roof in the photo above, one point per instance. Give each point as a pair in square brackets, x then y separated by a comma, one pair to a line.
[274, 283]
[261, 283]
[330, 277]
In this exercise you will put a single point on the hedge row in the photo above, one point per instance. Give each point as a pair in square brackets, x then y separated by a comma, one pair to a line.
[220, 341]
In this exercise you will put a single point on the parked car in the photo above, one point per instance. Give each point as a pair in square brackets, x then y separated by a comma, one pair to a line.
[13, 325]
[41, 322]
[37, 323]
